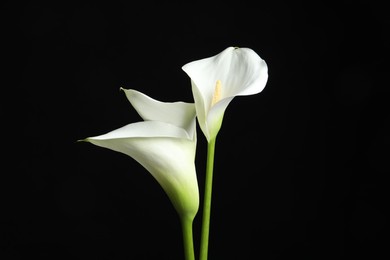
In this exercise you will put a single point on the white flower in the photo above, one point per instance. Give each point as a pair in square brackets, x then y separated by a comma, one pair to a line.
[217, 80]
[165, 144]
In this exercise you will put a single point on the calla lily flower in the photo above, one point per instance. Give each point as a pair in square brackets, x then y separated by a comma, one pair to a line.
[218, 79]
[164, 144]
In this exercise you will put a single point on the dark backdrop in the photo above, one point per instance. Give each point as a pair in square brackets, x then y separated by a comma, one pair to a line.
[299, 168]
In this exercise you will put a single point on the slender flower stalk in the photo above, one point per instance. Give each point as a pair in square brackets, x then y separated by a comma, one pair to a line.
[207, 200]
[188, 238]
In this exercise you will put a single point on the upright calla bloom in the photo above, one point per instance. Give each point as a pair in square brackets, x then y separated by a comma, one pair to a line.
[217, 80]
[165, 144]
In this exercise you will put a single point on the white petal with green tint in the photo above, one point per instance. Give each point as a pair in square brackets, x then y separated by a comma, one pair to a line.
[218, 79]
[179, 113]
[165, 147]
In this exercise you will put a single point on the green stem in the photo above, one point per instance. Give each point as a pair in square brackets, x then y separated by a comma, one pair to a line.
[188, 238]
[204, 239]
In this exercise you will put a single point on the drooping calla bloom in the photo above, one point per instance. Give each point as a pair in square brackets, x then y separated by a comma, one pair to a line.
[164, 144]
[218, 79]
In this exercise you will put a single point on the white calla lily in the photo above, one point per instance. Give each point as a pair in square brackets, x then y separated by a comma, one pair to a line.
[164, 144]
[218, 79]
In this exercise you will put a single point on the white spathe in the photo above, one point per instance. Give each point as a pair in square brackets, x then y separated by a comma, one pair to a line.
[218, 79]
[165, 144]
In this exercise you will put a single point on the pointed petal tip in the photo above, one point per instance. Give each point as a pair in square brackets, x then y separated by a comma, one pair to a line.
[126, 90]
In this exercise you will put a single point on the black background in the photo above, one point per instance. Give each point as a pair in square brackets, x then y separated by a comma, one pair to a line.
[299, 170]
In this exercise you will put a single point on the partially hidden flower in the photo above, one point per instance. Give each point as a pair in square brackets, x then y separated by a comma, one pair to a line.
[218, 79]
[164, 144]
